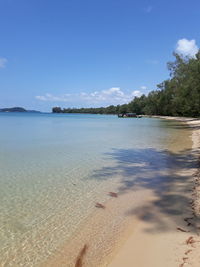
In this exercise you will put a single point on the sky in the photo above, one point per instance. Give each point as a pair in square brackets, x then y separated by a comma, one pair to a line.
[90, 53]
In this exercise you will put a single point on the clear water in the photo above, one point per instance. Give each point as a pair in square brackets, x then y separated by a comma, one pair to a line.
[47, 174]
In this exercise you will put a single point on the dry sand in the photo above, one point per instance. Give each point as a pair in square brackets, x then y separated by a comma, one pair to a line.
[179, 245]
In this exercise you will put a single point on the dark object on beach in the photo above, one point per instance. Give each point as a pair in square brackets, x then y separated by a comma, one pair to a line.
[187, 221]
[182, 230]
[188, 218]
[113, 194]
[188, 251]
[99, 205]
[79, 259]
[184, 261]
[190, 240]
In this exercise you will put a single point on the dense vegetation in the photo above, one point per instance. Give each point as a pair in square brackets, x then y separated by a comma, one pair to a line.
[177, 96]
[15, 109]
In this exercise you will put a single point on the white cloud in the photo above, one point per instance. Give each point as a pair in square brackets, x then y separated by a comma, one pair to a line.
[187, 47]
[136, 93]
[143, 87]
[40, 97]
[3, 62]
[50, 97]
[111, 96]
[113, 91]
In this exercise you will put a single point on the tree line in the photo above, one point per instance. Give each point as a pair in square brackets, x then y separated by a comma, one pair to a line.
[177, 96]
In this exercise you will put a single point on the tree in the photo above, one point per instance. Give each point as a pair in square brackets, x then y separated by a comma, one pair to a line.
[57, 110]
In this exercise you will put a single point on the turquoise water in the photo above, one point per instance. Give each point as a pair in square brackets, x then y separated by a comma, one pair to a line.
[48, 181]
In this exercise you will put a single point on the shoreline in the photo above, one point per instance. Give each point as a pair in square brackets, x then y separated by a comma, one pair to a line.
[128, 245]
[180, 247]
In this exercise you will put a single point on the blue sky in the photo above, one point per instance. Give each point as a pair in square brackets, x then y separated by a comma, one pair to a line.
[81, 53]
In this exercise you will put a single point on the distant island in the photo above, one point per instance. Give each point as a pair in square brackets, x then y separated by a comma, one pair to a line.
[17, 109]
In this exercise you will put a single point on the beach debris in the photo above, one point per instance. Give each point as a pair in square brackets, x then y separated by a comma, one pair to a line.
[184, 261]
[99, 205]
[79, 259]
[193, 206]
[113, 194]
[182, 230]
[190, 240]
[187, 220]
[188, 251]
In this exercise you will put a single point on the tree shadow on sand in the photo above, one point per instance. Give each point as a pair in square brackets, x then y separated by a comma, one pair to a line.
[166, 174]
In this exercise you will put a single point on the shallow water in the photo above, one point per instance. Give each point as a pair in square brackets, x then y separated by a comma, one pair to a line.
[54, 167]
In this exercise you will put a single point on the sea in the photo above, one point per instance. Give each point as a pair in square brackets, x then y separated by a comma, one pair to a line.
[54, 168]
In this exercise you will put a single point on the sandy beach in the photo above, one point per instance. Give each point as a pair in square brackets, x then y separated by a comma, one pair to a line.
[179, 244]
[161, 226]
[100, 133]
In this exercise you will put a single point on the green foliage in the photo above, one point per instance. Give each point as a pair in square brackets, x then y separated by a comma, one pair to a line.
[57, 110]
[177, 96]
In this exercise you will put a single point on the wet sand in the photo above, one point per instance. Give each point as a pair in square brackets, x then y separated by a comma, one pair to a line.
[179, 244]
[144, 225]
